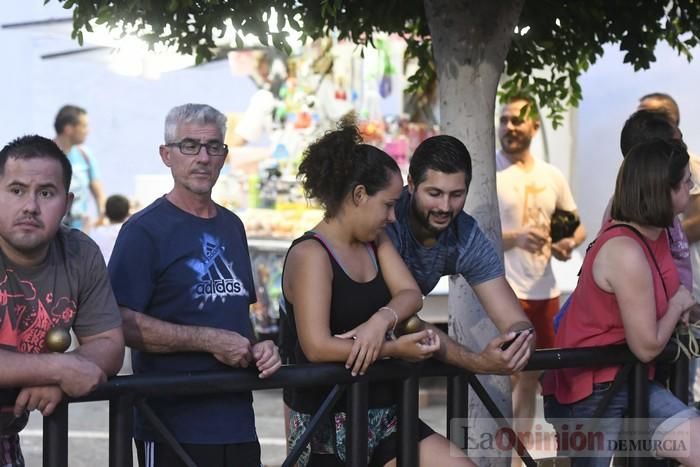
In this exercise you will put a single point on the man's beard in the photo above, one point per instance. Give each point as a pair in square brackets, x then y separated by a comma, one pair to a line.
[424, 220]
[517, 144]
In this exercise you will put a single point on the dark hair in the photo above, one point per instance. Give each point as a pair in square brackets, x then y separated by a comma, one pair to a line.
[267, 56]
[117, 208]
[442, 153]
[338, 162]
[645, 125]
[67, 115]
[36, 147]
[648, 174]
[669, 105]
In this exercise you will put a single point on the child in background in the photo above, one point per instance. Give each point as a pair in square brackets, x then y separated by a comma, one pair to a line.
[117, 211]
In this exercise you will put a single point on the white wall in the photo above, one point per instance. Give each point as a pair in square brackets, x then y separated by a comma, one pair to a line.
[611, 91]
[126, 113]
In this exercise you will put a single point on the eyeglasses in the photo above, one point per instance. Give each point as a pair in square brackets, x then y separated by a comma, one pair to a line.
[191, 147]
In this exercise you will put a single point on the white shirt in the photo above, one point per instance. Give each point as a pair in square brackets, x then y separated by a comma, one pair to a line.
[529, 198]
[694, 165]
[105, 236]
[330, 109]
[257, 119]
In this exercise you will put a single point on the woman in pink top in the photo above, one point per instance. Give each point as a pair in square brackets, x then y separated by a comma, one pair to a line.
[628, 292]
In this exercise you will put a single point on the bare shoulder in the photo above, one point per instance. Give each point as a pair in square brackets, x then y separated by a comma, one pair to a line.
[622, 247]
[620, 259]
[309, 254]
[307, 268]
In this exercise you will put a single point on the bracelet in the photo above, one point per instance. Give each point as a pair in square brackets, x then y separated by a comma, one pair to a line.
[391, 334]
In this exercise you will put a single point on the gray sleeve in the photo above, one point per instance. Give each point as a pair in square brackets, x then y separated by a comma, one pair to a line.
[478, 261]
[97, 308]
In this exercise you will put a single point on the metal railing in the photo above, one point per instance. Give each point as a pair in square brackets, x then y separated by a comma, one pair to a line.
[123, 392]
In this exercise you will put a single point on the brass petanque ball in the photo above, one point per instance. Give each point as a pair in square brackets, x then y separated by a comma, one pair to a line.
[58, 339]
[411, 325]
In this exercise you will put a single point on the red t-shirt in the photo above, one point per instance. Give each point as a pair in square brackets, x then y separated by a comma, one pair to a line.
[594, 319]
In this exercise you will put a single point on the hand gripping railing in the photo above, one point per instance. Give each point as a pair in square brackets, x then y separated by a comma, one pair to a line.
[123, 392]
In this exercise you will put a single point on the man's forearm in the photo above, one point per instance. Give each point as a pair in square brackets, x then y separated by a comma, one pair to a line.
[105, 350]
[149, 334]
[509, 239]
[20, 369]
[454, 353]
[579, 235]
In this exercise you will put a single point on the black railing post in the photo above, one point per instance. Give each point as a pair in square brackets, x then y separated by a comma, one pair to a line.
[457, 399]
[147, 412]
[356, 444]
[55, 443]
[121, 414]
[680, 377]
[408, 423]
[323, 411]
[639, 398]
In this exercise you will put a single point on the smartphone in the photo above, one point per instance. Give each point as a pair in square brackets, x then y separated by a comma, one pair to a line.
[505, 345]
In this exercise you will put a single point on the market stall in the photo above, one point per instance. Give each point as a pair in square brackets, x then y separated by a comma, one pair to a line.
[299, 98]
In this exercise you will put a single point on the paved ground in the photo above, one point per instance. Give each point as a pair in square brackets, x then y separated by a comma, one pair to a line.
[88, 422]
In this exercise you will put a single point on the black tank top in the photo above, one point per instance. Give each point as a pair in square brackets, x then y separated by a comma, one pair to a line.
[352, 303]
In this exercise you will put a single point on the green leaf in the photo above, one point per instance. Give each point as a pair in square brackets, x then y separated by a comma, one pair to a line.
[564, 38]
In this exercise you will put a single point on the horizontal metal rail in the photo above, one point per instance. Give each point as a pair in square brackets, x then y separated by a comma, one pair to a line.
[122, 391]
[236, 380]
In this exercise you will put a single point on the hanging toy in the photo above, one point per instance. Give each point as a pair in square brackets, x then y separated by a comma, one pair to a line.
[385, 84]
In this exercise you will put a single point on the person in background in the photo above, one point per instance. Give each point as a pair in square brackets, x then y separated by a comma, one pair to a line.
[529, 192]
[643, 126]
[50, 277]
[257, 123]
[182, 277]
[629, 292]
[71, 125]
[331, 102]
[690, 219]
[258, 117]
[116, 211]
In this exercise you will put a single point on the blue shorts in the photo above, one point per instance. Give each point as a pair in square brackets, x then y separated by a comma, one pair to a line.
[666, 412]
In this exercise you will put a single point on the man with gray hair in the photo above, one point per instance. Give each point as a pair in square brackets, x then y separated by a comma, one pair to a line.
[182, 277]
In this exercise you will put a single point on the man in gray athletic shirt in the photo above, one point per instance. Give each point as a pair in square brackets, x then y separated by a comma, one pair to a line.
[435, 237]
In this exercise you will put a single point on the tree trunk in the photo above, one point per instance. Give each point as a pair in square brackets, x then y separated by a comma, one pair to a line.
[471, 39]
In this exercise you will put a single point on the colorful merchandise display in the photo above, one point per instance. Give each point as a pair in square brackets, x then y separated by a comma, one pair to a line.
[312, 90]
